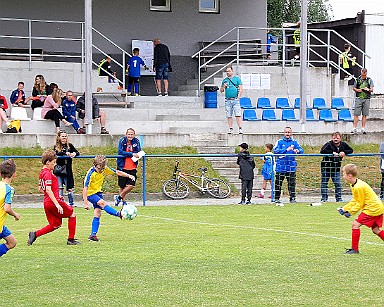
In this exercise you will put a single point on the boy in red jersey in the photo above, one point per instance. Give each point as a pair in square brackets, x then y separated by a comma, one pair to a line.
[55, 209]
[364, 199]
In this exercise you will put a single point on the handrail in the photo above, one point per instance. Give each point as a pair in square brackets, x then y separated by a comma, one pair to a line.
[114, 44]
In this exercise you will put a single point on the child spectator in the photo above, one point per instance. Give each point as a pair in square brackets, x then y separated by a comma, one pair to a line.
[69, 111]
[364, 199]
[8, 173]
[267, 169]
[247, 164]
[55, 209]
[133, 67]
[18, 96]
[92, 192]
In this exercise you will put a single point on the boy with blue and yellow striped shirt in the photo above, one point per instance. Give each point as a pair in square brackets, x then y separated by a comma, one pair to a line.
[8, 173]
[92, 192]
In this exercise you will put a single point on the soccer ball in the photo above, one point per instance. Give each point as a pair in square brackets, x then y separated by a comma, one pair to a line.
[128, 212]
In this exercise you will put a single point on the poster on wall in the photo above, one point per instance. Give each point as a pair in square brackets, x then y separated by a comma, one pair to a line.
[146, 53]
[256, 81]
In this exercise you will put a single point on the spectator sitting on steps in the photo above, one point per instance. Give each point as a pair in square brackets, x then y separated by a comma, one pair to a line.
[97, 114]
[69, 111]
[40, 91]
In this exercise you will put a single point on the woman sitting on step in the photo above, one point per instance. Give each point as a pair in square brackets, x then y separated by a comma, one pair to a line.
[50, 109]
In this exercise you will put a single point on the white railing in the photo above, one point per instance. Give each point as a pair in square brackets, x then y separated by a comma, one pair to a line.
[74, 35]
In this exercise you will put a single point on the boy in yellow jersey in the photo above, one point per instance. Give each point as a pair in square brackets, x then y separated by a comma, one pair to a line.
[364, 199]
[8, 173]
[92, 191]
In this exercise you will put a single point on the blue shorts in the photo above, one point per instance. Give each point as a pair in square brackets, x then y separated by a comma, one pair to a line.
[5, 232]
[95, 198]
[162, 72]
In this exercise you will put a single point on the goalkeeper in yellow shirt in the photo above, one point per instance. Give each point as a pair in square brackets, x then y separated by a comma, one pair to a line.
[364, 199]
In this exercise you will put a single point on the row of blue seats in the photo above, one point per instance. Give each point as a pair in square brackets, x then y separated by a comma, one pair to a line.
[289, 115]
[283, 103]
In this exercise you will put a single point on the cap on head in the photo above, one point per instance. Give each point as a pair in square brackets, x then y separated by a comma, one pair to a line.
[244, 145]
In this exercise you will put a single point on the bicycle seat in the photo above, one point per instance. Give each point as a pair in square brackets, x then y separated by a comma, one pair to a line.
[203, 169]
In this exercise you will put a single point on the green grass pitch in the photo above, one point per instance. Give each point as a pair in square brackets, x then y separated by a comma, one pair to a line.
[258, 255]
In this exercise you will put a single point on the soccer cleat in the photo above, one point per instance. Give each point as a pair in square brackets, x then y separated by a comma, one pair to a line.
[351, 251]
[117, 200]
[73, 242]
[93, 238]
[31, 237]
[260, 196]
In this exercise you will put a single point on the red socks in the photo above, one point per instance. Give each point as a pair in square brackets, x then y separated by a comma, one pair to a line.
[71, 227]
[355, 238]
[45, 230]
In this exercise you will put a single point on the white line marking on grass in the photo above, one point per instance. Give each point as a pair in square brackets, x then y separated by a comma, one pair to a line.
[258, 228]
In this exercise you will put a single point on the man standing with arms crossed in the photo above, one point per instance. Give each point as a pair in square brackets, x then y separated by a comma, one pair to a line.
[233, 88]
[129, 146]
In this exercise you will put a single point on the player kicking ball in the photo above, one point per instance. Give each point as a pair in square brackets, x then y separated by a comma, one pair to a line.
[55, 209]
[364, 199]
[92, 193]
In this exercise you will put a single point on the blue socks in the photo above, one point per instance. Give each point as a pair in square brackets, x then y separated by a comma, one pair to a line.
[95, 225]
[3, 249]
[111, 211]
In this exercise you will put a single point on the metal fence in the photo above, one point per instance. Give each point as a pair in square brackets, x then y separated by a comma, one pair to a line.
[308, 172]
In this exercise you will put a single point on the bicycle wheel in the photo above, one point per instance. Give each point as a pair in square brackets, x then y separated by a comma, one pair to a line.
[218, 188]
[175, 189]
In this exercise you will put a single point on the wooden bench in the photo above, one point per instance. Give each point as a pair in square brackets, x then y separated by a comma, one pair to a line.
[21, 54]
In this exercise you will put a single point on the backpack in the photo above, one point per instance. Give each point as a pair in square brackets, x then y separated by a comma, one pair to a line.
[14, 126]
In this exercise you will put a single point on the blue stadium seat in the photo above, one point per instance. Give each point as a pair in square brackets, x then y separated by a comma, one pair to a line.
[338, 104]
[309, 115]
[319, 103]
[282, 103]
[250, 114]
[245, 103]
[288, 114]
[269, 115]
[297, 104]
[264, 103]
[326, 115]
[345, 115]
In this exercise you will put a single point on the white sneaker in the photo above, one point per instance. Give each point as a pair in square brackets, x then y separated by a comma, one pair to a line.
[363, 131]
[230, 131]
[240, 131]
[165, 94]
[1, 131]
[159, 95]
[354, 131]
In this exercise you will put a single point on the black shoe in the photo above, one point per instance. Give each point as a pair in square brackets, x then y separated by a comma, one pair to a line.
[292, 200]
[73, 242]
[93, 238]
[248, 202]
[339, 200]
[351, 251]
[242, 202]
[277, 201]
[31, 237]
[104, 131]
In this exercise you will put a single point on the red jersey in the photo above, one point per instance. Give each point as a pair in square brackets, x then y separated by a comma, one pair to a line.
[129, 164]
[47, 178]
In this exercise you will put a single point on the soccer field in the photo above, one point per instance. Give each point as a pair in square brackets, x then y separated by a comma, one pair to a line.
[229, 255]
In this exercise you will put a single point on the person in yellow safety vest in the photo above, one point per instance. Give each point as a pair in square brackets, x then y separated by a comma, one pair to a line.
[347, 62]
[296, 41]
[104, 68]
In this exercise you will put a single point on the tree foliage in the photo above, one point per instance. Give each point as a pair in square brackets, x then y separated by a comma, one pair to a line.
[280, 11]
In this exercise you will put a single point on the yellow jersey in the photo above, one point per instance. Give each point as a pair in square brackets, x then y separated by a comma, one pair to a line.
[94, 180]
[364, 199]
[6, 197]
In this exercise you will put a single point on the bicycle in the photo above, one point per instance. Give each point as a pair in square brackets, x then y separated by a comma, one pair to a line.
[177, 188]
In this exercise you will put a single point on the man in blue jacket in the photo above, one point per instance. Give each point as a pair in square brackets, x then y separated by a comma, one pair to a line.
[129, 146]
[286, 164]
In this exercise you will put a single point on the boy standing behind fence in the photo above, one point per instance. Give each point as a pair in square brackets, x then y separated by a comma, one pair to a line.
[364, 199]
[247, 164]
[267, 169]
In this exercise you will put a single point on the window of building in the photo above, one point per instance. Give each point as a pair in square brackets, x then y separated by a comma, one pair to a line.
[209, 6]
[160, 5]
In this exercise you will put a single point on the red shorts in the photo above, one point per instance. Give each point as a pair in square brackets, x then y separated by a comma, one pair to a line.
[53, 216]
[370, 221]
